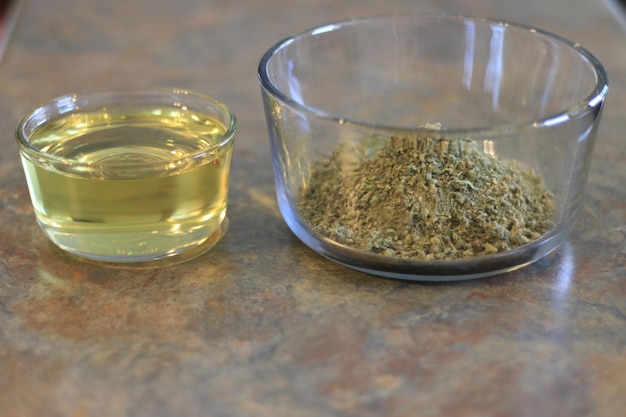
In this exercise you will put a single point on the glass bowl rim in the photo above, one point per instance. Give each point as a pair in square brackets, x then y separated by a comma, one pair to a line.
[103, 97]
[595, 98]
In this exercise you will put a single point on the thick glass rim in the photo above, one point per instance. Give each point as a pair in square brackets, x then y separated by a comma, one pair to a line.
[71, 103]
[594, 100]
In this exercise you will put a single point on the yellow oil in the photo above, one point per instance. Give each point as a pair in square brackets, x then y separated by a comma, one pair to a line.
[122, 191]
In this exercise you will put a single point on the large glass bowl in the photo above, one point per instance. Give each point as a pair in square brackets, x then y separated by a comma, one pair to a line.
[520, 93]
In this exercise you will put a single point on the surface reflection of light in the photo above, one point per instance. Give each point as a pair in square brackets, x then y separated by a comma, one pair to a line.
[489, 147]
[470, 39]
[493, 72]
[557, 120]
[564, 273]
[294, 84]
[296, 94]
[324, 29]
[67, 103]
[596, 100]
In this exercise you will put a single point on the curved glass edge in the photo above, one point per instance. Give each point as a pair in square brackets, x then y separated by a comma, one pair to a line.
[165, 260]
[75, 101]
[594, 100]
[420, 270]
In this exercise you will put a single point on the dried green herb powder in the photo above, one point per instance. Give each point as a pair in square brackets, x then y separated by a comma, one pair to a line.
[425, 198]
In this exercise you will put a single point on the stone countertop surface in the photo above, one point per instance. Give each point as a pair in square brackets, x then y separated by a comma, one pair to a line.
[261, 325]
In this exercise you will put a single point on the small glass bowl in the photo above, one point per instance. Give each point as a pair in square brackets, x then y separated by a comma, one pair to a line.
[520, 93]
[129, 176]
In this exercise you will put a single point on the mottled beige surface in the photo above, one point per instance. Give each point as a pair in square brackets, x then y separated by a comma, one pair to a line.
[261, 325]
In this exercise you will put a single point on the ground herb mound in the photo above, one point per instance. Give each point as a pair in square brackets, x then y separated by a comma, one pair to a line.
[426, 199]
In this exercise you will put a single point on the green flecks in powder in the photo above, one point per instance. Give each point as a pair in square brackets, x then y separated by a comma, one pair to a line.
[426, 199]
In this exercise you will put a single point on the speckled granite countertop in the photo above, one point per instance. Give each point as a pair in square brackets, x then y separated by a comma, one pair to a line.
[261, 325]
